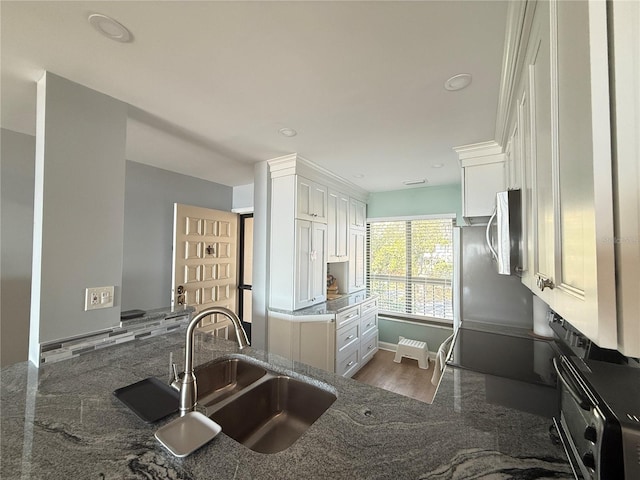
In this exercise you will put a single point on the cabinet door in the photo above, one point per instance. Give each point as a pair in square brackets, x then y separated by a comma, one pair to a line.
[311, 200]
[319, 202]
[524, 145]
[303, 265]
[481, 183]
[357, 266]
[304, 208]
[342, 227]
[625, 21]
[337, 227]
[357, 214]
[318, 268]
[539, 74]
[310, 265]
[584, 274]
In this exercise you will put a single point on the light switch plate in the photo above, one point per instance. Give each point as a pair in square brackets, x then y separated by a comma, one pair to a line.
[98, 297]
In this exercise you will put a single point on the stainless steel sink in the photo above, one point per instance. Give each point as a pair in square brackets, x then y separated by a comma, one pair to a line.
[271, 415]
[220, 380]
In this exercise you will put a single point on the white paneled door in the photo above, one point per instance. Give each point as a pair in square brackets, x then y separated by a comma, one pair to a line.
[205, 262]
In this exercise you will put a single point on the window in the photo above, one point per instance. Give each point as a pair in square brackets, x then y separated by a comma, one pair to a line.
[410, 266]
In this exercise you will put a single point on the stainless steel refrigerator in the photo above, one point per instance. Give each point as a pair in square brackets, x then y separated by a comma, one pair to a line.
[484, 296]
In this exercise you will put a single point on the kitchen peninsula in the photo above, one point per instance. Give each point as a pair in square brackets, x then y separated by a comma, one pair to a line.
[62, 421]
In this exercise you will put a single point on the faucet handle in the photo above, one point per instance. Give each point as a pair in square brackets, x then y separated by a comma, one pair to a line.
[175, 381]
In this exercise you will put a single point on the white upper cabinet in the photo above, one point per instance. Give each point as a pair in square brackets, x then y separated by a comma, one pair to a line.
[310, 270]
[338, 226]
[584, 273]
[357, 260]
[357, 214]
[308, 225]
[311, 200]
[625, 89]
[560, 129]
[483, 175]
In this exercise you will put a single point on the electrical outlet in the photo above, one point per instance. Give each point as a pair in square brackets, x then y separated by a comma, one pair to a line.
[98, 297]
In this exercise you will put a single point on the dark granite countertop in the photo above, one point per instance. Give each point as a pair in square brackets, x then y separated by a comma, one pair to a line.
[62, 421]
[330, 307]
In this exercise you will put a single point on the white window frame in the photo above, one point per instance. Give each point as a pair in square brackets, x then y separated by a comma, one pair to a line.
[455, 259]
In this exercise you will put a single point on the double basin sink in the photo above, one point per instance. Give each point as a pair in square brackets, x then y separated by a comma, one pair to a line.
[264, 410]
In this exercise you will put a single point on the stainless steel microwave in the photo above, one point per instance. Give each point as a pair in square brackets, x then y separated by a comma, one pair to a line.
[504, 232]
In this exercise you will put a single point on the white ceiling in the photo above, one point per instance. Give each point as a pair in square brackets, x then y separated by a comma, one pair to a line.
[210, 83]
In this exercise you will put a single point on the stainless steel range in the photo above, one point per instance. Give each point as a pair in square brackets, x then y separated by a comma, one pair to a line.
[599, 421]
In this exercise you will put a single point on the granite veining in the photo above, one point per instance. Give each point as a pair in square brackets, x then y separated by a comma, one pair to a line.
[62, 421]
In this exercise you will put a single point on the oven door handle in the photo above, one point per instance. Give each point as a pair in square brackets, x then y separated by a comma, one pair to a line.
[585, 404]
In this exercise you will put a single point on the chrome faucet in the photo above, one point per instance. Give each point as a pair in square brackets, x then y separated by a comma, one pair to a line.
[188, 387]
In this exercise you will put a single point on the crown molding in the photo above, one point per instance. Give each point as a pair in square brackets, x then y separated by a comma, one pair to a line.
[294, 164]
[481, 149]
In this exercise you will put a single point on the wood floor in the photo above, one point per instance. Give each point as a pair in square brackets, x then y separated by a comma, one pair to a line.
[404, 378]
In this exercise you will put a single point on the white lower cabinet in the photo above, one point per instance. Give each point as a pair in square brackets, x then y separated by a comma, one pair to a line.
[368, 330]
[348, 342]
[311, 341]
[341, 343]
[348, 363]
[356, 337]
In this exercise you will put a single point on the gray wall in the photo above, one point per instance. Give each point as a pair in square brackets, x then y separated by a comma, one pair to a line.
[78, 209]
[148, 229]
[17, 164]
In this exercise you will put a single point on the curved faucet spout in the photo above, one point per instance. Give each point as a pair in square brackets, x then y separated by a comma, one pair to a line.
[188, 387]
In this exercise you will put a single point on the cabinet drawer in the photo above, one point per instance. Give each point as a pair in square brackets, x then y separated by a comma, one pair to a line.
[349, 364]
[368, 324]
[346, 337]
[347, 317]
[368, 346]
[368, 306]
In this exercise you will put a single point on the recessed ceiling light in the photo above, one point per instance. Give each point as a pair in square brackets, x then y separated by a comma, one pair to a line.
[287, 132]
[437, 165]
[110, 28]
[458, 82]
[414, 182]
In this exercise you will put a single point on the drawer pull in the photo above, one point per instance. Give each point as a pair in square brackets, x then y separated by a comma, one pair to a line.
[369, 324]
[349, 337]
[370, 347]
[350, 363]
[351, 316]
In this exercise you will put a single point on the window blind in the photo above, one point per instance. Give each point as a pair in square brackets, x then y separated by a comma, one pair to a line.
[410, 266]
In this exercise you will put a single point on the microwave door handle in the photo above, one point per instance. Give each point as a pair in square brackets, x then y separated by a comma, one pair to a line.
[584, 404]
[494, 254]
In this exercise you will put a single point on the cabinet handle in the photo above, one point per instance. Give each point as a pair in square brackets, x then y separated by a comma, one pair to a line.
[368, 325]
[350, 363]
[349, 337]
[353, 315]
[543, 283]
[370, 347]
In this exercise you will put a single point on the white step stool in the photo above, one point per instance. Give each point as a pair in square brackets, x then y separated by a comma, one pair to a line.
[413, 349]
